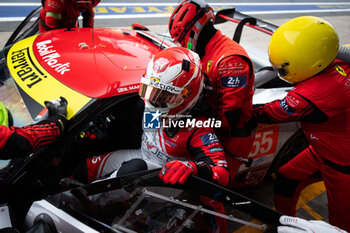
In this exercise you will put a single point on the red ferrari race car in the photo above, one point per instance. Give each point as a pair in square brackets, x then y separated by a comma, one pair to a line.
[114, 61]
[98, 71]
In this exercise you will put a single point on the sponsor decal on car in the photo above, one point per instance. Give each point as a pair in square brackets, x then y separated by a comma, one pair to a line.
[127, 89]
[36, 82]
[266, 140]
[51, 57]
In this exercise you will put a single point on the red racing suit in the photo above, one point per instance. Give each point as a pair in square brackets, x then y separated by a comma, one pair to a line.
[322, 105]
[231, 74]
[18, 142]
[63, 14]
[160, 146]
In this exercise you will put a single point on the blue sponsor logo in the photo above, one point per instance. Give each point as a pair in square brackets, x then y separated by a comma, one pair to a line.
[209, 138]
[216, 149]
[171, 143]
[151, 120]
[234, 81]
[285, 106]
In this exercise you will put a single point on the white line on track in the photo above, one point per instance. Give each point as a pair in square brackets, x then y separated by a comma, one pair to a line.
[137, 16]
[175, 4]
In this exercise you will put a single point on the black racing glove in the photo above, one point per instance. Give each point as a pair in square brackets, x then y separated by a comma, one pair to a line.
[58, 112]
[56, 108]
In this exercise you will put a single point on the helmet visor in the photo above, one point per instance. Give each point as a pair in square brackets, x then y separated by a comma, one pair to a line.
[281, 69]
[160, 98]
[282, 72]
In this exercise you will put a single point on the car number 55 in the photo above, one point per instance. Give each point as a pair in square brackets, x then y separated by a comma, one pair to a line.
[265, 142]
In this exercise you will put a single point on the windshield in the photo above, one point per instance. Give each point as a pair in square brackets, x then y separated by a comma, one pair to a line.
[155, 209]
[144, 204]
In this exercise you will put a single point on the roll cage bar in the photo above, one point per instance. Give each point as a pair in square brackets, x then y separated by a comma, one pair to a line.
[242, 19]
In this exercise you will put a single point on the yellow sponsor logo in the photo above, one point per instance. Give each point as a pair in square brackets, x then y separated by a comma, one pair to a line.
[154, 79]
[209, 65]
[340, 70]
[33, 79]
[216, 149]
[264, 126]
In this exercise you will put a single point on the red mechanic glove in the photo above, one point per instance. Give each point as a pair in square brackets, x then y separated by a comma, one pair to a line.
[221, 175]
[177, 171]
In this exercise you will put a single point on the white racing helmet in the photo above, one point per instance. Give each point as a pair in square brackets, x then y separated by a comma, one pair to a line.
[173, 82]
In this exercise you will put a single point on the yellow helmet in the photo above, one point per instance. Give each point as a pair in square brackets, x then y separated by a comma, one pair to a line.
[302, 47]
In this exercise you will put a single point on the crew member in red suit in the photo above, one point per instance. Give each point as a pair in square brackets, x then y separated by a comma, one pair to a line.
[18, 142]
[64, 13]
[303, 52]
[229, 72]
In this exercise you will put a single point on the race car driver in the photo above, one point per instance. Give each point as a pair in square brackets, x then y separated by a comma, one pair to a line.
[303, 52]
[64, 13]
[171, 87]
[18, 142]
[229, 71]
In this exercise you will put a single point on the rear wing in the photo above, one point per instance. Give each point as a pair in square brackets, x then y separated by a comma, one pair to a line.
[241, 19]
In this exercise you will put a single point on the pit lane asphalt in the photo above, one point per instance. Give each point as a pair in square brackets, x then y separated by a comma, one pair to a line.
[313, 202]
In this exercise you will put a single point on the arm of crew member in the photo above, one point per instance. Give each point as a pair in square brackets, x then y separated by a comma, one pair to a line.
[53, 9]
[18, 142]
[235, 85]
[294, 107]
[209, 155]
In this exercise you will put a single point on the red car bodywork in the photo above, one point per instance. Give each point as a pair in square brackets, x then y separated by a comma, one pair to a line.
[102, 63]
